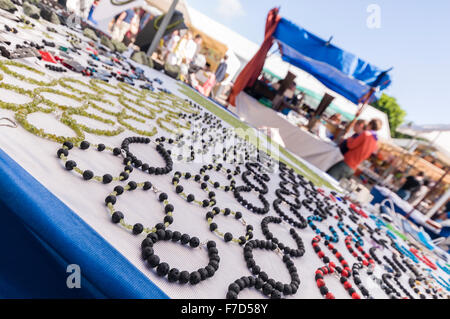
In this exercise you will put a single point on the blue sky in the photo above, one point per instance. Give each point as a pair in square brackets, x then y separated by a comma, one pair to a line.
[414, 38]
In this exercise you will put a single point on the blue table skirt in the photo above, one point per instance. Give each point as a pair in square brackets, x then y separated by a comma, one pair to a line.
[41, 236]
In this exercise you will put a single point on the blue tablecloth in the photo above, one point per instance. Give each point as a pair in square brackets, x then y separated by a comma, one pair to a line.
[40, 235]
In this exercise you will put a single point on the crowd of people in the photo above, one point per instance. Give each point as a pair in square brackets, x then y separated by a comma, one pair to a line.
[185, 52]
[125, 26]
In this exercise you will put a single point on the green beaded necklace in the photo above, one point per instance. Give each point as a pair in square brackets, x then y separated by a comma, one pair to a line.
[67, 114]
[4, 67]
[126, 103]
[16, 106]
[61, 93]
[122, 120]
[21, 117]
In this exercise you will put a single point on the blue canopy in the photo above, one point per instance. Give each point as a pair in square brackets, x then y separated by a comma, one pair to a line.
[340, 71]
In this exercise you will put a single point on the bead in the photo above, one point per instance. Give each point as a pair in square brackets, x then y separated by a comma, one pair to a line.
[194, 242]
[162, 269]
[132, 185]
[101, 147]
[228, 237]
[185, 238]
[107, 178]
[138, 228]
[174, 275]
[88, 175]
[84, 145]
[153, 261]
[117, 217]
[147, 252]
[194, 278]
[184, 277]
[70, 165]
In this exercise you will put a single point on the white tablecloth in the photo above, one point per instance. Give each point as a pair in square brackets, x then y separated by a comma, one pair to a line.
[311, 148]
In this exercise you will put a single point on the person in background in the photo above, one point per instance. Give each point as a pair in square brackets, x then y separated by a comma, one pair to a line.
[359, 149]
[222, 70]
[180, 49]
[145, 17]
[130, 36]
[91, 12]
[411, 186]
[358, 129]
[112, 24]
[333, 125]
[122, 25]
[421, 193]
[169, 54]
[192, 48]
[220, 74]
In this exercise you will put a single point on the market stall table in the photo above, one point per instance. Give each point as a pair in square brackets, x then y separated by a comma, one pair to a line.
[59, 217]
[320, 153]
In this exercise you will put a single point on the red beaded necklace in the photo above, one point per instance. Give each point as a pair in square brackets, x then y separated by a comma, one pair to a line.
[368, 259]
[330, 268]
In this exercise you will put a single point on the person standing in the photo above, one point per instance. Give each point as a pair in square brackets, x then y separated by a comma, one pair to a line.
[192, 48]
[421, 193]
[169, 55]
[221, 72]
[411, 186]
[122, 25]
[359, 149]
[358, 129]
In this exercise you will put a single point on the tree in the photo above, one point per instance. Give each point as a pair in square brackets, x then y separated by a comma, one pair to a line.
[395, 113]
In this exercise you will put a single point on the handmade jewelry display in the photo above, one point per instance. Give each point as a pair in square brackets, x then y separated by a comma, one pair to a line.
[188, 143]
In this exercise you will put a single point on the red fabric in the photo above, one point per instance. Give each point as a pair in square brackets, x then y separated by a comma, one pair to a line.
[250, 73]
[360, 149]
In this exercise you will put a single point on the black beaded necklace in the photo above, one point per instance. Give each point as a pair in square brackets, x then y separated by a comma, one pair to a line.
[173, 274]
[357, 279]
[241, 200]
[301, 223]
[130, 157]
[271, 287]
[190, 198]
[228, 237]
[299, 252]
[220, 169]
[260, 188]
[245, 283]
[70, 165]
[138, 228]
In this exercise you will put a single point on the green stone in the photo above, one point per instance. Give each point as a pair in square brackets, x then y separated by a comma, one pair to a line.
[31, 11]
[119, 46]
[89, 33]
[8, 6]
[107, 43]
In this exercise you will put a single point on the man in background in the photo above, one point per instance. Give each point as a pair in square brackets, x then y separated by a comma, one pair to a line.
[411, 186]
[358, 129]
[220, 74]
[359, 149]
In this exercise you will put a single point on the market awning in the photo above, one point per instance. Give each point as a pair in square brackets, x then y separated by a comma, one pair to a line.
[340, 71]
